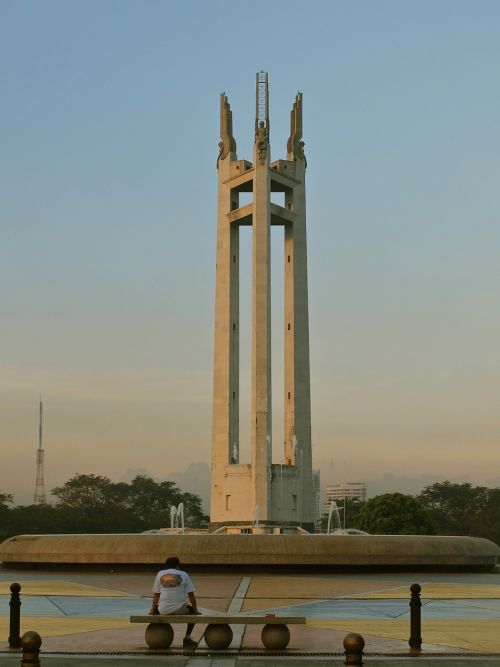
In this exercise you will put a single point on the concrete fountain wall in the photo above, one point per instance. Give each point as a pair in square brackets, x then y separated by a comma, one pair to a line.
[336, 551]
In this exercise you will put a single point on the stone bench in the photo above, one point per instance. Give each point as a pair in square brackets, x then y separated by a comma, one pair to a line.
[218, 634]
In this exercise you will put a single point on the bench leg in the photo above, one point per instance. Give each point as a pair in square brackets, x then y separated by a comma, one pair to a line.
[275, 636]
[218, 636]
[159, 635]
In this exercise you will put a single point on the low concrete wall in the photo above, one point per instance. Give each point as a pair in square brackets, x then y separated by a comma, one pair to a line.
[374, 551]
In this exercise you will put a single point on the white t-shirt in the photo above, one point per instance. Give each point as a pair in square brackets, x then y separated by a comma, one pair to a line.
[173, 587]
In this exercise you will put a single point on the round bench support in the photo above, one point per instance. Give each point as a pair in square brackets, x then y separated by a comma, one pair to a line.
[275, 636]
[218, 636]
[159, 635]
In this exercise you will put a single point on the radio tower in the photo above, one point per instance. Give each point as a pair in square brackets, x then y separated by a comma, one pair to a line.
[40, 485]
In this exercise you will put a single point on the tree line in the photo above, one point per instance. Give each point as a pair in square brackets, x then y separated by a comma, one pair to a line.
[95, 504]
[442, 508]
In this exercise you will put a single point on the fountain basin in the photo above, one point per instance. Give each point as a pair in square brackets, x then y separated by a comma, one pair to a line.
[331, 551]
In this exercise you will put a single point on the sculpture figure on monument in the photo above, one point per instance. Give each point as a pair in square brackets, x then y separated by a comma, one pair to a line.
[261, 139]
[295, 145]
[227, 144]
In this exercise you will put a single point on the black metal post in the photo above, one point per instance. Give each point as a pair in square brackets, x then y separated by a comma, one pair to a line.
[415, 640]
[30, 643]
[353, 649]
[15, 616]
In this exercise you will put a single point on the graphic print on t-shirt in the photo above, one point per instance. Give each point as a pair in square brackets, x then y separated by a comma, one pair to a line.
[170, 580]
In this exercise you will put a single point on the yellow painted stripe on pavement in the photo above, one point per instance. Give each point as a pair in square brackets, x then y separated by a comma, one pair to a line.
[437, 591]
[481, 636]
[52, 587]
[271, 603]
[50, 626]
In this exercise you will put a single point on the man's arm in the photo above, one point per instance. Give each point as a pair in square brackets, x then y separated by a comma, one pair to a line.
[154, 604]
[193, 602]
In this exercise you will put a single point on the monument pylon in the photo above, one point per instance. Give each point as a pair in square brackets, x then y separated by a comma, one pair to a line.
[259, 496]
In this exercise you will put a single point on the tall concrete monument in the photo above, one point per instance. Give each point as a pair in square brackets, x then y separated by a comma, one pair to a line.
[259, 496]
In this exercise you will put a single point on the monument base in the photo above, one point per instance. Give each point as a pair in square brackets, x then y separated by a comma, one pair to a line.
[331, 552]
[268, 528]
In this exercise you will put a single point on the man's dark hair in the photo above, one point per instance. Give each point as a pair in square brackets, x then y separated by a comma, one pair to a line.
[172, 562]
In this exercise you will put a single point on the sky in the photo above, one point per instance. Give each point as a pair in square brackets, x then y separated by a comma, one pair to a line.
[109, 136]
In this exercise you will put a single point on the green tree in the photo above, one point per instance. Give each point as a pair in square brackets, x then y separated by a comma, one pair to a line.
[485, 523]
[463, 509]
[394, 514]
[6, 499]
[95, 504]
[92, 503]
[38, 519]
[195, 517]
[86, 493]
[151, 501]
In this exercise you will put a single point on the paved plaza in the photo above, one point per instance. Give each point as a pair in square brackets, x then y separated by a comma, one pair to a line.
[87, 613]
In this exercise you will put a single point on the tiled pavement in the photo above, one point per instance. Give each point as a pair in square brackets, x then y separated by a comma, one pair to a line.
[82, 612]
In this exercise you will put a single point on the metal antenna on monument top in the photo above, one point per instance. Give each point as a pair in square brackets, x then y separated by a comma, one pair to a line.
[40, 484]
[262, 99]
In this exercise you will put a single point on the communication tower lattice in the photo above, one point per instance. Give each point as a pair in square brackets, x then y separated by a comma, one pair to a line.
[40, 484]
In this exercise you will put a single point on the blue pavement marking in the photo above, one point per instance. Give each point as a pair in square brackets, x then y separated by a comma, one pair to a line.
[463, 609]
[436, 578]
[67, 605]
[77, 606]
[340, 608]
[379, 609]
[38, 605]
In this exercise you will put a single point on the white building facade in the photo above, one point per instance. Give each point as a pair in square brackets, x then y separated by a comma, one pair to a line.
[349, 490]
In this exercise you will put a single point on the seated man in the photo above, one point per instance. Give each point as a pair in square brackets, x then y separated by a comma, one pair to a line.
[169, 595]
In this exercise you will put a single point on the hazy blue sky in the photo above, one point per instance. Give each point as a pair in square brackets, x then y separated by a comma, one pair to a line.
[108, 141]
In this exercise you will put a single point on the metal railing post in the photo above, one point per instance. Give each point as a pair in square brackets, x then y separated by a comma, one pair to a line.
[353, 645]
[15, 616]
[415, 640]
[30, 644]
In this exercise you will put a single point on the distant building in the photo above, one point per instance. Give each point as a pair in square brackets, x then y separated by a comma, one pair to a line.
[354, 490]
